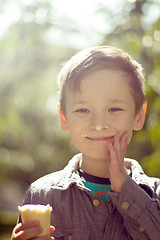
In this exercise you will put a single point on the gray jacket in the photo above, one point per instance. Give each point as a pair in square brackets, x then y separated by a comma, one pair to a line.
[79, 214]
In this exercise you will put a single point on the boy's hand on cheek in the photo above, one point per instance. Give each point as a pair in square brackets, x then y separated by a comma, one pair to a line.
[117, 170]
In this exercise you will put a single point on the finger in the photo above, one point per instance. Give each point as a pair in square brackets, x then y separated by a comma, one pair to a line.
[124, 137]
[19, 228]
[52, 229]
[29, 233]
[124, 142]
[117, 151]
[26, 225]
[31, 229]
[116, 140]
[120, 144]
[113, 153]
[110, 148]
[117, 144]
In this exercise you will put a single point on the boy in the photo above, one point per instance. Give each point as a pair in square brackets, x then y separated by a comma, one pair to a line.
[99, 194]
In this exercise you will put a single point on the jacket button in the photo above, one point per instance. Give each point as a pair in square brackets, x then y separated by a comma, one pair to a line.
[81, 188]
[96, 202]
[69, 237]
[141, 229]
[125, 205]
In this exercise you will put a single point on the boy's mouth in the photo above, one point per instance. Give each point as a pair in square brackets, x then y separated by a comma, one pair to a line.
[98, 138]
[102, 139]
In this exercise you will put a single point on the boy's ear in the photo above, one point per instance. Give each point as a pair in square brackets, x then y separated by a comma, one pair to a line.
[62, 118]
[140, 118]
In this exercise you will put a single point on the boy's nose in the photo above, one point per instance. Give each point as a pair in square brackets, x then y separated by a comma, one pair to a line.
[99, 128]
[99, 122]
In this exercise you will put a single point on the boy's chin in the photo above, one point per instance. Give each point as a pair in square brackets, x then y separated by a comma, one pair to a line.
[97, 157]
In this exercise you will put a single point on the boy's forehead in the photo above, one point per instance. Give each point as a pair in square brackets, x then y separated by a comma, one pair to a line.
[90, 79]
[104, 74]
[100, 81]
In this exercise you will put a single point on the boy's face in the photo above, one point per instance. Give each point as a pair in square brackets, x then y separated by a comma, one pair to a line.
[103, 107]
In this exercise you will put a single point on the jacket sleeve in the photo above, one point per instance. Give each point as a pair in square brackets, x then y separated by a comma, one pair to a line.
[140, 212]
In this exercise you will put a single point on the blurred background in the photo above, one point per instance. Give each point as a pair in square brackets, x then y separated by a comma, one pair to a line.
[36, 38]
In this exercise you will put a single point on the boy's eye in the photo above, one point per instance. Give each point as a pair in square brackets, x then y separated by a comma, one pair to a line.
[82, 110]
[115, 109]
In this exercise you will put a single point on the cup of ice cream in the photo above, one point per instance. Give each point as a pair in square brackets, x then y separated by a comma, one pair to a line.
[38, 212]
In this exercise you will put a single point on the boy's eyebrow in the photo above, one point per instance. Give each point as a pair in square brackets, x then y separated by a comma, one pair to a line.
[80, 102]
[118, 101]
[111, 101]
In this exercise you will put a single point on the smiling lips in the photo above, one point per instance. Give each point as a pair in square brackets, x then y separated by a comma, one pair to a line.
[98, 139]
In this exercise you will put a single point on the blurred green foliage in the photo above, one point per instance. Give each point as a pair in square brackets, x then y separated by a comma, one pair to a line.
[142, 41]
[30, 136]
[31, 141]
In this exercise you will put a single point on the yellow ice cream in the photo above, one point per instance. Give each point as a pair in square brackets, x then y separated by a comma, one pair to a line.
[38, 212]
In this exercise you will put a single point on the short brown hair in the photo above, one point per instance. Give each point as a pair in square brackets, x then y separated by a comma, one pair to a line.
[96, 58]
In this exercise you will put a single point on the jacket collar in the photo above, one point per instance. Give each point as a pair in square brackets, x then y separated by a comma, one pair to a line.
[69, 175]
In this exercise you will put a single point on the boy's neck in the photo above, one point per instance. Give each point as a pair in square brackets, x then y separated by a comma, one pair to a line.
[95, 167]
